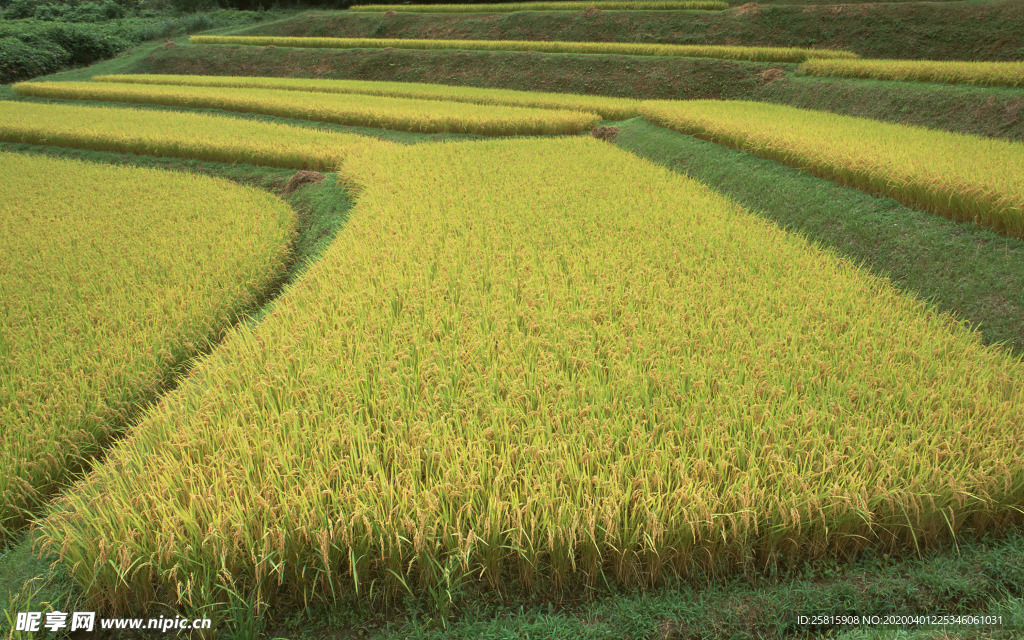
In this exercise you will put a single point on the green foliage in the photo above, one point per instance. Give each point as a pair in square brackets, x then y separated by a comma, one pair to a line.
[20, 59]
[189, 6]
[54, 36]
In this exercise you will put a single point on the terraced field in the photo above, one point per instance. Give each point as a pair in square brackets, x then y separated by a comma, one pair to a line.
[108, 290]
[400, 114]
[628, 362]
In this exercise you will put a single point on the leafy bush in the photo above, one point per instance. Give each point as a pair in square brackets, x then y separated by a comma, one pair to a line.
[80, 34]
[20, 60]
[20, 9]
[86, 44]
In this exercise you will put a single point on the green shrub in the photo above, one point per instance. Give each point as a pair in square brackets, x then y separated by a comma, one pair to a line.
[52, 36]
[20, 60]
[20, 9]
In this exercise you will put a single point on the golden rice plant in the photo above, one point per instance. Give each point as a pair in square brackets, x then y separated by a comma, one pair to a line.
[537, 359]
[508, 7]
[111, 279]
[759, 54]
[960, 176]
[402, 114]
[179, 135]
[996, 74]
[609, 108]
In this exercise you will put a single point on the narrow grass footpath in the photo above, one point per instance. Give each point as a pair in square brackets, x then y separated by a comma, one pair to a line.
[963, 269]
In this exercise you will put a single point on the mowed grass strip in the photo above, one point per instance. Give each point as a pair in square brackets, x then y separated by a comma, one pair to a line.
[509, 7]
[995, 74]
[112, 278]
[400, 114]
[178, 135]
[608, 108]
[960, 176]
[760, 54]
[498, 372]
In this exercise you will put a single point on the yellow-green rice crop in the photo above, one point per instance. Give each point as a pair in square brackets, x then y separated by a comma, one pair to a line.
[180, 135]
[607, 107]
[765, 54]
[960, 176]
[998, 74]
[540, 358]
[604, 5]
[110, 279]
[403, 114]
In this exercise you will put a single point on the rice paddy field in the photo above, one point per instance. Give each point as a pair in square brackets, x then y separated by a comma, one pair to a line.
[401, 114]
[108, 288]
[607, 107]
[996, 74]
[378, 348]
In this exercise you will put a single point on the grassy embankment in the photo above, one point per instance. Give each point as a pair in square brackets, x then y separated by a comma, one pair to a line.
[567, 5]
[995, 112]
[918, 30]
[722, 52]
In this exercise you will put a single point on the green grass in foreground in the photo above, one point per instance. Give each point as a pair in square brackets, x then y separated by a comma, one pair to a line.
[981, 577]
[964, 269]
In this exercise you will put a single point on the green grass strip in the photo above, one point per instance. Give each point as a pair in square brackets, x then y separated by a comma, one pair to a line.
[762, 54]
[667, 5]
[113, 277]
[960, 176]
[403, 114]
[178, 135]
[993, 74]
[607, 107]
